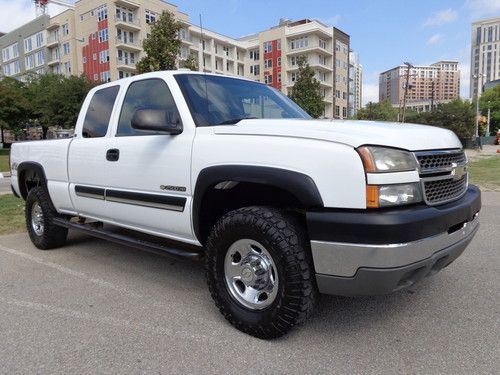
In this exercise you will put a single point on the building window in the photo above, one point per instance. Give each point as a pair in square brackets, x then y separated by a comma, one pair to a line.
[278, 45]
[322, 44]
[183, 34]
[293, 77]
[96, 77]
[39, 58]
[299, 43]
[279, 61]
[337, 111]
[65, 29]
[5, 54]
[255, 55]
[105, 76]
[255, 70]
[150, 17]
[66, 49]
[67, 67]
[84, 60]
[104, 56]
[94, 56]
[102, 13]
[28, 62]
[268, 64]
[268, 47]
[28, 45]
[268, 79]
[15, 50]
[103, 35]
[39, 39]
[344, 112]
[279, 77]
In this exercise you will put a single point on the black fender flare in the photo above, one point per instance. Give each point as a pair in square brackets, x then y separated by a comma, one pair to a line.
[300, 185]
[30, 166]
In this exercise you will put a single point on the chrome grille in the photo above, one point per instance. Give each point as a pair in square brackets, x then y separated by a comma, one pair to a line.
[443, 175]
[430, 163]
[440, 191]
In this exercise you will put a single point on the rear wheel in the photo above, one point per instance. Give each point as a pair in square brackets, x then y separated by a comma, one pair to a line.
[39, 221]
[259, 271]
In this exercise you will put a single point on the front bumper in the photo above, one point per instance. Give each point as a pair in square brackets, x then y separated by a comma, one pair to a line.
[376, 252]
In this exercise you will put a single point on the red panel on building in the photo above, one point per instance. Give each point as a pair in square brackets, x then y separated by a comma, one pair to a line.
[275, 70]
[92, 68]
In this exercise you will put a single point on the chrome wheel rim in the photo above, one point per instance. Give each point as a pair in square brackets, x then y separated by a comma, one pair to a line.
[37, 219]
[250, 274]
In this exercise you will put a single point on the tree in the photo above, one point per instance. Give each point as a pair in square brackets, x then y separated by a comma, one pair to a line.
[56, 99]
[162, 45]
[491, 98]
[14, 107]
[190, 63]
[382, 111]
[306, 91]
[457, 115]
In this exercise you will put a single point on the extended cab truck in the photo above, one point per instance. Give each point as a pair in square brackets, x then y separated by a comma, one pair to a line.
[280, 206]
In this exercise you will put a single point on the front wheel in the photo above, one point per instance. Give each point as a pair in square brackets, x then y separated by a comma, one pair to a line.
[259, 271]
[39, 221]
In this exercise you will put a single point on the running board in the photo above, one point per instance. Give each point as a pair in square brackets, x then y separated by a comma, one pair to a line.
[129, 241]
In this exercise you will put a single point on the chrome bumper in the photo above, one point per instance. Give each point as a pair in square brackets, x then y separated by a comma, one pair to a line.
[344, 259]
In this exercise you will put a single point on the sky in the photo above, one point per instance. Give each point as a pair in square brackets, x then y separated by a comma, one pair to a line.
[385, 33]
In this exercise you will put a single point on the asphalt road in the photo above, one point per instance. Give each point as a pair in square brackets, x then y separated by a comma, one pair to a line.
[95, 307]
[5, 185]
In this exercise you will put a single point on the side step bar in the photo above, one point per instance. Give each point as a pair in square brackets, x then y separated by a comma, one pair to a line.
[129, 241]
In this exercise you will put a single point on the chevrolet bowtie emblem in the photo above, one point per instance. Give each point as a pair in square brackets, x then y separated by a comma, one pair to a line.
[458, 171]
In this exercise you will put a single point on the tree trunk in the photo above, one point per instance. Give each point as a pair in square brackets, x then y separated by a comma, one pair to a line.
[44, 132]
[2, 142]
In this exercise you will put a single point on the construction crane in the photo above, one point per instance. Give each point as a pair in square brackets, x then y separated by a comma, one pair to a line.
[41, 6]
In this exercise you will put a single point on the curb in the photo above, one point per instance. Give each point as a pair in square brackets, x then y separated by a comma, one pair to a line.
[4, 174]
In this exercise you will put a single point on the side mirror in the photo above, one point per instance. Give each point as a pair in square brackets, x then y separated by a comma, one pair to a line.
[158, 120]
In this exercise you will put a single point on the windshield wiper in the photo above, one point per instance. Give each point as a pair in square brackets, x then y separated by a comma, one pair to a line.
[235, 120]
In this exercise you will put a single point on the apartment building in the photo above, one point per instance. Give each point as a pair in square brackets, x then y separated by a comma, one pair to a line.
[103, 40]
[355, 83]
[485, 54]
[428, 85]
[24, 49]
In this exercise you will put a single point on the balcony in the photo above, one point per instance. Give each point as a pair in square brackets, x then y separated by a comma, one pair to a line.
[125, 63]
[125, 23]
[52, 41]
[128, 44]
[309, 48]
[128, 4]
[54, 60]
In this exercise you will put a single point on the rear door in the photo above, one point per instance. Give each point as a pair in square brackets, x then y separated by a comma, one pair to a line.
[87, 156]
[148, 184]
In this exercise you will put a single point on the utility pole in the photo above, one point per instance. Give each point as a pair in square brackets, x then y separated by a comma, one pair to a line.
[489, 113]
[408, 67]
[477, 76]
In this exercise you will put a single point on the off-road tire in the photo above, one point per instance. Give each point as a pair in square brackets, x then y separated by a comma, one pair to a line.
[285, 238]
[53, 236]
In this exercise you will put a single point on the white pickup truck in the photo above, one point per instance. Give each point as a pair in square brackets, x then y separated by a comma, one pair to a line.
[280, 206]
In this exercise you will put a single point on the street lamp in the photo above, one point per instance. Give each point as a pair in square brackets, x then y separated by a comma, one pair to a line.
[476, 77]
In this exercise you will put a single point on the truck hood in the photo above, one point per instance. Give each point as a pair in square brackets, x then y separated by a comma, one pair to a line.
[411, 137]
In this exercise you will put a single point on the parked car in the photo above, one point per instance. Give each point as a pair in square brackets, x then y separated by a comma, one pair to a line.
[281, 207]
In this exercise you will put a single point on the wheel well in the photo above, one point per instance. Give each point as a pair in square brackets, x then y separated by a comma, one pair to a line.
[227, 196]
[30, 177]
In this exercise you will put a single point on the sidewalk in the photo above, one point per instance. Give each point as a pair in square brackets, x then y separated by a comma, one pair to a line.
[487, 151]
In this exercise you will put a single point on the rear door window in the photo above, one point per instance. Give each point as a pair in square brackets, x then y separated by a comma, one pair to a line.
[99, 112]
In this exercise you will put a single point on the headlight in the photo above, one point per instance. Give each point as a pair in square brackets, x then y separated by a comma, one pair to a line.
[392, 195]
[383, 159]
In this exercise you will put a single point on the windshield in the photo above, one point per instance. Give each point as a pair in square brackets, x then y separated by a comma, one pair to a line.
[218, 100]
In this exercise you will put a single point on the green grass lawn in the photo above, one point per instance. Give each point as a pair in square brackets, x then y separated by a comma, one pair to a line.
[11, 214]
[486, 173]
[4, 160]
[4, 163]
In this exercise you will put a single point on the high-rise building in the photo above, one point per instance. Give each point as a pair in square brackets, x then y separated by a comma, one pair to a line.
[103, 40]
[427, 85]
[355, 83]
[484, 54]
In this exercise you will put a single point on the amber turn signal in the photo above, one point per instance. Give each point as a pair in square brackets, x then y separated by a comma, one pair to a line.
[372, 196]
[367, 158]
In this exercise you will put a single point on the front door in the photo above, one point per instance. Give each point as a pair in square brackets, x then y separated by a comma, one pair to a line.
[148, 185]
